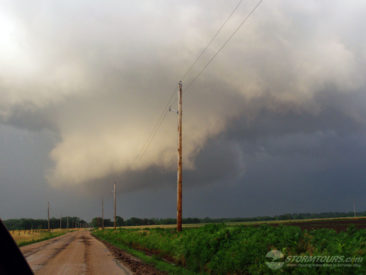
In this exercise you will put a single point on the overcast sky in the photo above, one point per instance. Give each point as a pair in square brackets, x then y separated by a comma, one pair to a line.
[275, 124]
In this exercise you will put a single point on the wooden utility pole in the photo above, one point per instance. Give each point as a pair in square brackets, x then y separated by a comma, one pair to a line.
[354, 209]
[48, 212]
[102, 214]
[179, 172]
[114, 197]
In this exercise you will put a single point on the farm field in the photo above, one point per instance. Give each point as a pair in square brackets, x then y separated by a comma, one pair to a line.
[24, 237]
[340, 223]
[238, 249]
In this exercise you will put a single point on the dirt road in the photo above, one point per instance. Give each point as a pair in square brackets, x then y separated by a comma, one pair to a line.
[73, 253]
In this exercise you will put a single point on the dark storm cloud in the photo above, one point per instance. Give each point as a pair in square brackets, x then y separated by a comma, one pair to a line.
[26, 116]
[294, 161]
[286, 95]
[335, 111]
[287, 135]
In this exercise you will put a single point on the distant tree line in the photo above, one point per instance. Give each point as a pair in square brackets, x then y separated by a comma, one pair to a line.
[27, 224]
[13, 224]
[294, 216]
[96, 222]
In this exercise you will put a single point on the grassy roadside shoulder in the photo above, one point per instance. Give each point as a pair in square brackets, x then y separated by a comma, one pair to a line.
[154, 260]
[36, 237]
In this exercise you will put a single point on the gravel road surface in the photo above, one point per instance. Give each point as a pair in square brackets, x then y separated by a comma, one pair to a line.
[73, 253]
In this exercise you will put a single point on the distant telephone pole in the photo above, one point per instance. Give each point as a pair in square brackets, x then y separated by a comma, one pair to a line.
[67, 222]
[48, 212]
[179, 172]
[102, 214]
[60, 222]
[115, 209]
[354, 209]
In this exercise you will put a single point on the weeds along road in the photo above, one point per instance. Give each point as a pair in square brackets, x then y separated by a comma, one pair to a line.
[73, 253]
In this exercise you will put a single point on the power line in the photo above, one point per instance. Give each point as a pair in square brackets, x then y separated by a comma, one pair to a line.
[212, 40]
[173, 95]
[224, 44]
[165, 110]
[156, 127]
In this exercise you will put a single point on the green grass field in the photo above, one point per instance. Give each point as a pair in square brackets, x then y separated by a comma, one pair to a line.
[241, 223]
[228, 249]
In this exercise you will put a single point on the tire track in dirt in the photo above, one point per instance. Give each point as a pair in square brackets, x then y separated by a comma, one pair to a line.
[40, 254]
[86, 242]
[59, 250]
[29, 250]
